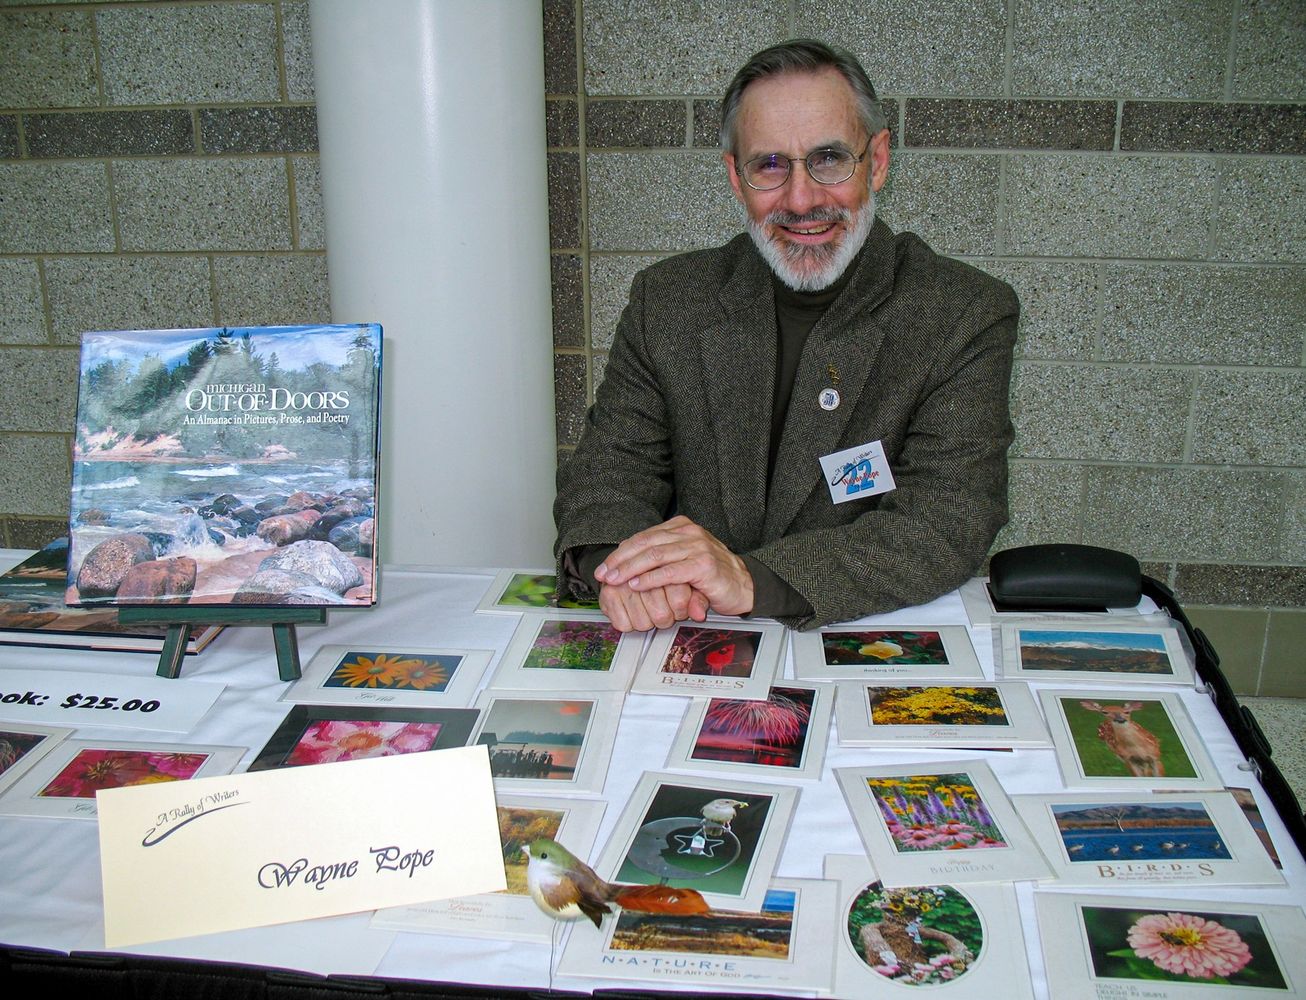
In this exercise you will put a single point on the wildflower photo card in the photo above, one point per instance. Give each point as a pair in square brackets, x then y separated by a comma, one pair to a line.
[924, 652]
[518, 591]
[945, 821]
[784, 947]
[21, 746]
[63, 783]
[554, 649]
[1126, 739]
[887, 714]
[510, 914]
[781, 737]
[962, 941]
[717, 658]
[326, 734]
[1072, 652]
[1095, 947]
[382, 674]
[1119, 839]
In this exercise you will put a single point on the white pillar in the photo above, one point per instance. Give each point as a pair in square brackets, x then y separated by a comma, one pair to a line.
[431, 129]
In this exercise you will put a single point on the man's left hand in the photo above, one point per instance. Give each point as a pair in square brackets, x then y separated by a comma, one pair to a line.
[680, 552]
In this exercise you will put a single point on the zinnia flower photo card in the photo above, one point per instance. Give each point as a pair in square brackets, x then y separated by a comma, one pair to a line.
[1175, 949]
[923, 652]
[325, 734]
[380, 674]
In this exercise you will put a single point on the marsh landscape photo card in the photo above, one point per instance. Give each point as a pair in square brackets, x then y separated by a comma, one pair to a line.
[976, 715]
[387, 674]
[713, 659]
[1071, 652]
[326, 734]
[945, 821]
[721, 836]
[783, 737]
[1118, 839]
[920, 652]
[963, 941]
[1125, 738]
[548, 742]
[528, 591]
[554, 649]
[1170, 949]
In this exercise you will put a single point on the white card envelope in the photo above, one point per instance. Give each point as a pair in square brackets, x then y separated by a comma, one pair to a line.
[857, 472]
[246, 850]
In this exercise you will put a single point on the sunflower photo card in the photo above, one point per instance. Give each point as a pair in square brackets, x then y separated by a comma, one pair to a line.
[380, 674]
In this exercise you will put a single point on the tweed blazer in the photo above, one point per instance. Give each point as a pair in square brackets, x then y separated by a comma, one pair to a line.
[921, 347]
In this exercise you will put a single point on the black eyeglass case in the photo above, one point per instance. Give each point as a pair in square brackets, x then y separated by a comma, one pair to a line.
[1064, 578]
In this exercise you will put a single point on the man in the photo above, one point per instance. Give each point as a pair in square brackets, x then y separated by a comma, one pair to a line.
[698, 484]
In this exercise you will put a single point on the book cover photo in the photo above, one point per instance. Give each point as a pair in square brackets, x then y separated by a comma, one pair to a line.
[233, 465]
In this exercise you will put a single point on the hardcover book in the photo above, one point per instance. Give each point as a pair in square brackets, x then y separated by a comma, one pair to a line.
[232, 465]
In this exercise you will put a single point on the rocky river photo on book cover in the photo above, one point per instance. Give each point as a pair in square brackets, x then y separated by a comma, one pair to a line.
[226, 465]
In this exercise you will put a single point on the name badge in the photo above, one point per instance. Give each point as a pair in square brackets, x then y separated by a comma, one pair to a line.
[857, 472]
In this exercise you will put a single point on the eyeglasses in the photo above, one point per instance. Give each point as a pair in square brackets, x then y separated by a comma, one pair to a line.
[828, 165]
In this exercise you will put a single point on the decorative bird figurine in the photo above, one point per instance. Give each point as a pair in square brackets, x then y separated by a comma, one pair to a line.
[719, 814]
[566, 888]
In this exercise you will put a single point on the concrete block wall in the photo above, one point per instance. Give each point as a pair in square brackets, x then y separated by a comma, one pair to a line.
[1136, 171]
[158, 168]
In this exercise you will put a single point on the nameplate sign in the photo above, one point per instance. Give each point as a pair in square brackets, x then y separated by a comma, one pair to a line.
[248, 850]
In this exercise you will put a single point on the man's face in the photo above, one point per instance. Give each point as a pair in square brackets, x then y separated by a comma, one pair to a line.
[808, 232]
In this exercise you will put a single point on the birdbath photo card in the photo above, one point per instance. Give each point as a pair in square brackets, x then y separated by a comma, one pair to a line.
[1126, 739]
[922, 652]
[721, 837]
[718, 658]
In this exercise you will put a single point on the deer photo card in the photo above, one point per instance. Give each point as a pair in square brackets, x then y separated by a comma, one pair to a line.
[1125, 739]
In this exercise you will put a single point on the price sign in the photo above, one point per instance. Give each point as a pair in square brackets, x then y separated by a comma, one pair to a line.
[84, 699]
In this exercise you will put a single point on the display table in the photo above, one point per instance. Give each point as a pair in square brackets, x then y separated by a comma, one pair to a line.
[50, 893]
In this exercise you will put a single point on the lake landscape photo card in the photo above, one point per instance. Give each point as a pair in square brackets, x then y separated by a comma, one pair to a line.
[720, 836]
[228, 465]
[715, 659]
[1119, 839]
[942, 940]
[326, 734]
[22, 745]
[782, 948]
[1125, 738]
[64, 781]
[980, 715]
[510, 914]
[1073, 652]
[518, 591]
[782, 737]
[1097, 946]
[384, 674]
[924, 652]
[554, 649]
[945, 821]
[552, 743]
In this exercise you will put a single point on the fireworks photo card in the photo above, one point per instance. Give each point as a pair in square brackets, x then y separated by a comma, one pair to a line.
[923, 652]
[518, 591]
[782, 948]
[510, 914]
[63, 783]
[326, 734]
[715, 659]
[1119, 839]
[984, 715]
[1071, 652]
[1126, 739]
[720, 836]
[963, 941]
[22, 745]
[554, 649]
[1171, 949]
[551, 743]
[382, 674]
[782, 737]
[948, 821]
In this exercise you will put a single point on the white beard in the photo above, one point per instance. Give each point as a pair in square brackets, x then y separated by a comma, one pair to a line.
[811, 268]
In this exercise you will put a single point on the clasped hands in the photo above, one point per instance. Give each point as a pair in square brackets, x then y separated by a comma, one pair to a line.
[668, 573]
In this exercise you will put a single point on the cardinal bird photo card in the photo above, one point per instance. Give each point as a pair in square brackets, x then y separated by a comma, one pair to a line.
[1125, 739]
[721, 659]
[721, 838]
[923, 652]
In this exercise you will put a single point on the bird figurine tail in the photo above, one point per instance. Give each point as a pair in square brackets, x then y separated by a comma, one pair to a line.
[659, 899]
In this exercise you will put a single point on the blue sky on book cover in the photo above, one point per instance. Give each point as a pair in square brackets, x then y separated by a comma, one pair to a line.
[226, 465]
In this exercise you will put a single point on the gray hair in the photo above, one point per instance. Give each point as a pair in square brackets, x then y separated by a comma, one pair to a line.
[802, 55]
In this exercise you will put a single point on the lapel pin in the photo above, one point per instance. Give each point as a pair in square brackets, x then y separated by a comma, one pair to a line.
[834, 376]
[829, 399]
